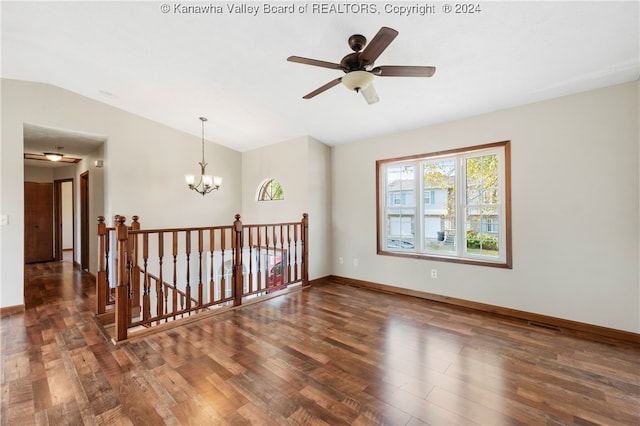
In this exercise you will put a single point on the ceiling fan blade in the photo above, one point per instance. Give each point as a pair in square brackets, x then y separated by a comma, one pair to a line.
[314, 62]
[403, 71]
[378, 44]
[370, 95]
[321, 89]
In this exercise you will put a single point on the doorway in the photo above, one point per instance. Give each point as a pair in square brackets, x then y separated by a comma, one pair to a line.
[63, 198]
[84, 221]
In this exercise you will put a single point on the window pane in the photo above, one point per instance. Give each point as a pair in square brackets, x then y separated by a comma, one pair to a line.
[400, 185]
[439, 205]
[482, 212]
[482, 180]
[482, 231]
[482, 244]
[401, 206]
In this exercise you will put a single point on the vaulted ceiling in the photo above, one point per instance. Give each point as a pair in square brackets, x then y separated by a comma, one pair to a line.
[170, 64]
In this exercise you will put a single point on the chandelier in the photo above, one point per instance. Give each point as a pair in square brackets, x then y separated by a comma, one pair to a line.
[207, 183]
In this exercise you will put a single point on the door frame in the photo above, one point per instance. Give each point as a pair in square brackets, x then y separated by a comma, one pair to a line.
[57, 217]
[84, 220]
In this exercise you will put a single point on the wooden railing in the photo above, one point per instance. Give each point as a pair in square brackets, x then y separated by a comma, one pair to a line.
[154, 276]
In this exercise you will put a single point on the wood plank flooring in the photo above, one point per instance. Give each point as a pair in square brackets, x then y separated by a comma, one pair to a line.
[333, 354]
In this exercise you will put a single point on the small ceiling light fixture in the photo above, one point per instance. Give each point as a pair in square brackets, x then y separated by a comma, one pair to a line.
[53, 156]
[207, 183]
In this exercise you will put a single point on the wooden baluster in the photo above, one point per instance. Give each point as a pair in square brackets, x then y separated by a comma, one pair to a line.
[107, 250]
[237, 263]
[161, 296]
[134, 267]
[212, 237]
[146, 300]
[275, 254]
[223, 275]
[266, 244]
[174, 293]
[250, 243]
[101, 278]
[305, 249]
[122, 288]
[232, 238]
[200, 249]
[259, 249]
[295, 251]
[188, 286]
[282, 257]
[288, 254]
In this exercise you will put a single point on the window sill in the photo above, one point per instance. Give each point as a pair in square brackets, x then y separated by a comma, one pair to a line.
[462, 260]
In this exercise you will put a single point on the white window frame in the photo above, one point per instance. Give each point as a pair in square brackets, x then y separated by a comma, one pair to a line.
[460, 254]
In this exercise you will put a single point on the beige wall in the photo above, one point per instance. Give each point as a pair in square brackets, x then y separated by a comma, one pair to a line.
[303, 168]
[575, 209]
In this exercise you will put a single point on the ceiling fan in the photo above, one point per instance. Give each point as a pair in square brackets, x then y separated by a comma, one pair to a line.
[358, 66]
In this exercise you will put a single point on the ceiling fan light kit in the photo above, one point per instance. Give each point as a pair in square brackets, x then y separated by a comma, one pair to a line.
[357, 80]
[358, 66]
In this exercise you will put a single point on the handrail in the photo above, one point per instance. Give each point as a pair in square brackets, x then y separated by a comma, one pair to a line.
[163, 275]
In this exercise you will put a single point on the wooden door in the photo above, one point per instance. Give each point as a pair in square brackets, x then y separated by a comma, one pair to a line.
[38, 222]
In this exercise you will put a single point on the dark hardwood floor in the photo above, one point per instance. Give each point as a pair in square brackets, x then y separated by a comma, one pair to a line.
[332, 355]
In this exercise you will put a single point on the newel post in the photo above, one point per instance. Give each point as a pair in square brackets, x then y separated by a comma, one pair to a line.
[122, 287]
[305, 249]
[102, 290]
[237, 261]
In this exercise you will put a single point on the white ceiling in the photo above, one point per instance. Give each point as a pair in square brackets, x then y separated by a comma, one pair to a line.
[231, 67]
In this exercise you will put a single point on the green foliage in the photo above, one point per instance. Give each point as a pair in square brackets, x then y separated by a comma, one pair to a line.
[482, 241]
[482, 179]
[276, 190]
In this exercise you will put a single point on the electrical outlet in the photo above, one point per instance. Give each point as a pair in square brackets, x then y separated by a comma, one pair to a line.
[341, 260]
[434, 273]
[355, 262]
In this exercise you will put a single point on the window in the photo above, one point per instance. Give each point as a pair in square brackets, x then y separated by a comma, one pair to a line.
[452, 206]
[270, 190]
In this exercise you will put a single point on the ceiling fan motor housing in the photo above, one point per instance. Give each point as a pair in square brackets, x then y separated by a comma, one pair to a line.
[352, 61]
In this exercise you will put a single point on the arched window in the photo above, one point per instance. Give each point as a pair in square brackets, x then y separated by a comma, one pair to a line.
[270, 190]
